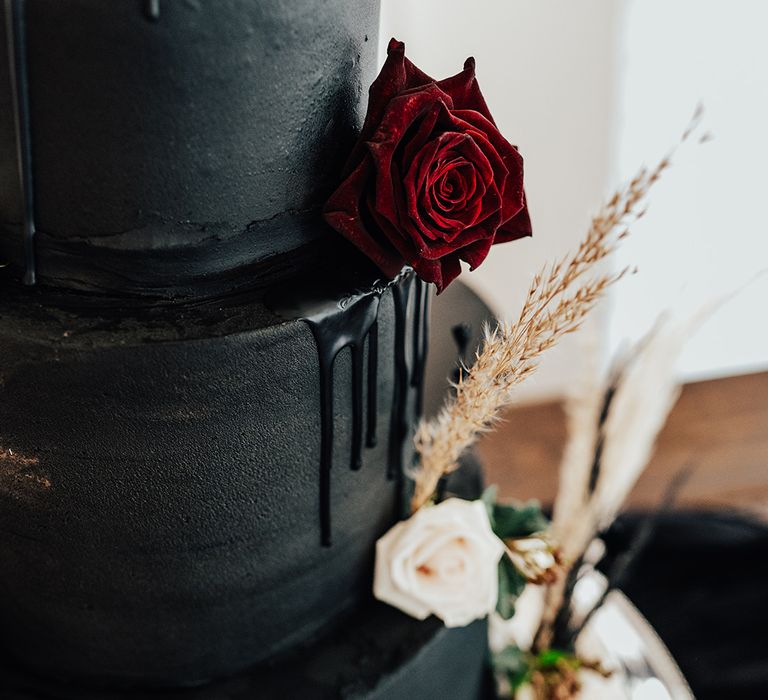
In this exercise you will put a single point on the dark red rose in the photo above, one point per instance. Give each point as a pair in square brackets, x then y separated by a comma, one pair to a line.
[431, 181]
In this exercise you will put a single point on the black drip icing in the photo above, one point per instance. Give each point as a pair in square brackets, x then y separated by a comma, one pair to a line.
[347, 324]
[17, 57]
[373, 361]
[398, 426]
[420, 343]
[152, 10]
[412, 303]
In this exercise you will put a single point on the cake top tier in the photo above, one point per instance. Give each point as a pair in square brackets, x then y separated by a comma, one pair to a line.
[175, 148]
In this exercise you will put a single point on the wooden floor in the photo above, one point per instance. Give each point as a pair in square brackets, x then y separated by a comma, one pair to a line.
[719, 427]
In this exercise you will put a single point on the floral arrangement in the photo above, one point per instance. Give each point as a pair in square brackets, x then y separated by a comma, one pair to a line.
[431, 183]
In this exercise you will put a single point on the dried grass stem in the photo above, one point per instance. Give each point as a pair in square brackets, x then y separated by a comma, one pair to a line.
[557, 303]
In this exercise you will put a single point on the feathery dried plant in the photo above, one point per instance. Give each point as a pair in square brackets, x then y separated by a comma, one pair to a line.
[558, 301]
[612, 430]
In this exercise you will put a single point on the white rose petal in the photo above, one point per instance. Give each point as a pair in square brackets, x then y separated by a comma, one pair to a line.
[441, 561]
[521, 628]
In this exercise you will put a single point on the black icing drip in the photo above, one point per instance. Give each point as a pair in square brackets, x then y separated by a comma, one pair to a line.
[344, 325]
[350, 323]
[357, 399]
[398, 427]
[373, 361]
[412, 302]
[420, 342]
[152, 10]
[17, 57]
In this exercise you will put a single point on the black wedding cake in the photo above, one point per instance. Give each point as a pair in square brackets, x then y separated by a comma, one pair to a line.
[206, 395]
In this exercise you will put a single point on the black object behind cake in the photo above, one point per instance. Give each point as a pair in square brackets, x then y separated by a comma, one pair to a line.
[200, 441]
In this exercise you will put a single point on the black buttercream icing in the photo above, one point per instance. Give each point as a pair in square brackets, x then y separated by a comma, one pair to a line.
[375, 653]
[378, 655]
[163, 488]
[175, 146]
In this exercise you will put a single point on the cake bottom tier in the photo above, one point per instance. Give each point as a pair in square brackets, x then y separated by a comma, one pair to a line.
[378, 653]
[169, 476]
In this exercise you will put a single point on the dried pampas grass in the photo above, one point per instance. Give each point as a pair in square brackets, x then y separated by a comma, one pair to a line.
[612, 429]
[557, 303]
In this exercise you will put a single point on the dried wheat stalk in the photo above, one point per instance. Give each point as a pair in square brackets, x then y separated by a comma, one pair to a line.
[557, 302]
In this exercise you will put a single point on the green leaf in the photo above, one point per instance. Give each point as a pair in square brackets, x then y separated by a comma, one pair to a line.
[516, 580]
[550, 658]
[504, 605]
[511, 585]
[515, 663]
[518, 679]
[518, 520]
[511, 659]
[489, 500]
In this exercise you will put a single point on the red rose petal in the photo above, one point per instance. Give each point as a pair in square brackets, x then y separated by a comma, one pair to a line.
[494, 146]
[485, 229]
[519, 226]
[401, 113]
[487, 165]
[465, 92]
[439, 272]
[453, 184]
[397, 75]
[513, 161]
[419, 134]
[477, 252]
[452, 147]
[413, 183]
[452, 221]
[342, 212]
[402, 244]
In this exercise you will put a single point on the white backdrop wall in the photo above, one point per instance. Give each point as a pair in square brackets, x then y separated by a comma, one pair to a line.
[589, 90]
[707, 229]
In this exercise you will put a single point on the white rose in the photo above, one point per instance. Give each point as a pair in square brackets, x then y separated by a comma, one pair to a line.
[443, 561]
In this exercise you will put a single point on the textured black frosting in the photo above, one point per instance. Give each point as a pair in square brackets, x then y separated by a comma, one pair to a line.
[177, 147]
[375, 653]
[160, 495]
